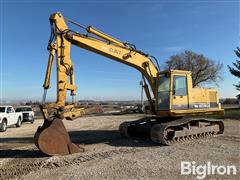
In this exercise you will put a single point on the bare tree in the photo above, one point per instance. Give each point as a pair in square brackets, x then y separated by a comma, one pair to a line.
[236, 70]
[203, 69]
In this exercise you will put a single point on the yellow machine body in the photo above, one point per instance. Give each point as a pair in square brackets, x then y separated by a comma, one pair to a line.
[171, 93]
[177, 97]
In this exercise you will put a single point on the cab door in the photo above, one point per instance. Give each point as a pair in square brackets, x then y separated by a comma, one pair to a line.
[179, 92]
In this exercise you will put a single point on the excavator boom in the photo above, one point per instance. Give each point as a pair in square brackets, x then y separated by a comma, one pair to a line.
[52, 137]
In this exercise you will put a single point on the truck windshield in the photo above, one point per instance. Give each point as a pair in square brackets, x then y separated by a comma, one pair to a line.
[22, 109]
[2, 109]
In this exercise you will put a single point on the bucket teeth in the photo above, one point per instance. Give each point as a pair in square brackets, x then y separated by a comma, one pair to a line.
[52, 138]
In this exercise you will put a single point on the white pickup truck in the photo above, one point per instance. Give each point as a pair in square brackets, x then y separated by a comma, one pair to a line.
[27, 112]
[9, 117]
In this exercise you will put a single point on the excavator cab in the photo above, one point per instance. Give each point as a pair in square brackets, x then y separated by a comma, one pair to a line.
[176, 96]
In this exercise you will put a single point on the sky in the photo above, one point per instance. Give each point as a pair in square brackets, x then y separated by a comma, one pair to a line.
[159, 28]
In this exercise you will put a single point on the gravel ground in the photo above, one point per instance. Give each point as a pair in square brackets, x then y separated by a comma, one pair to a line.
[108, 156]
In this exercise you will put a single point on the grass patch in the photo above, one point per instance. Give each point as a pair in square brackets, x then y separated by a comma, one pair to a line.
[233, 113]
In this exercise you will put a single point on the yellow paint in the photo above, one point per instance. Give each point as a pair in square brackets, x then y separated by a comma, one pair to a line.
[114, 49]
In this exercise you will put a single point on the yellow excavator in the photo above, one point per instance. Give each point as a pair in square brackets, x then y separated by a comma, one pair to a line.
[171, 97]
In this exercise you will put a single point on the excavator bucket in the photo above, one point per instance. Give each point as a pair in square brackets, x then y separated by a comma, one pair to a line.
[52, 138]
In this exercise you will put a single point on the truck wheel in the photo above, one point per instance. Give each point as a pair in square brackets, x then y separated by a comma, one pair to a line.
[19, 122]
[32, 121]
[3, 127]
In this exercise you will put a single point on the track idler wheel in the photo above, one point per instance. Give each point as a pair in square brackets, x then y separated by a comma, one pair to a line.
[52, 138]
[123, 129]
[157, 134]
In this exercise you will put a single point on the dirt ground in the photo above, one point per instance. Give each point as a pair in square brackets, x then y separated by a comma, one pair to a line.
[109, 156]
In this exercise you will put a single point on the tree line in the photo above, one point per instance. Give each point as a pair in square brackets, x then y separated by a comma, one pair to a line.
[204, 70]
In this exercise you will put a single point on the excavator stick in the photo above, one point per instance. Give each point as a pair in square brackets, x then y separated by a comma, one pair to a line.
[52, 138]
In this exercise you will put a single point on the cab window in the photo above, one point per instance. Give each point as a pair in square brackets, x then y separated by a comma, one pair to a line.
[9, 110]
[2, 109]
[179, 86]
[163, 92]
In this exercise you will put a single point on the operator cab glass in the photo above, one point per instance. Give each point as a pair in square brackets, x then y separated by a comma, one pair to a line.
[179, 85]
[163, 93]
